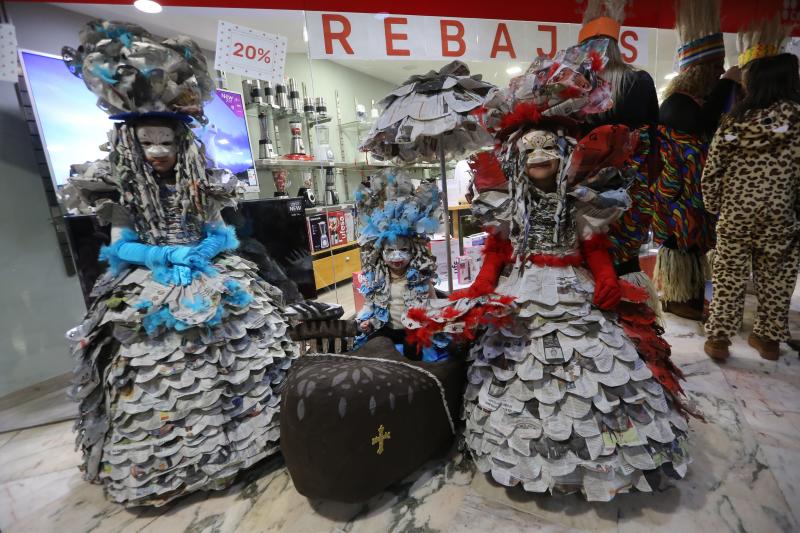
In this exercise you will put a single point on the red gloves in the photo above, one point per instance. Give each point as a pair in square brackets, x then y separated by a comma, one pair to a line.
[497, 252]
[607, 291]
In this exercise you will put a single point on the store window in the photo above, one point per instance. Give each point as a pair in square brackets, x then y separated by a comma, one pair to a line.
[291, 137]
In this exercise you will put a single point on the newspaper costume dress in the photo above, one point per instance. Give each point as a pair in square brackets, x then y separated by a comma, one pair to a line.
[558, 397]
[177, 368]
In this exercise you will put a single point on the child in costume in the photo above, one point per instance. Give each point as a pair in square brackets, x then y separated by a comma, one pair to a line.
[560, 398]
[751, 180]
[399, 269]
[180, 356]
[430, 117]
[689, 115]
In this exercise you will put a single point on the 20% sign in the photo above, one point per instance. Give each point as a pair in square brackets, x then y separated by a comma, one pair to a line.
[251, 52]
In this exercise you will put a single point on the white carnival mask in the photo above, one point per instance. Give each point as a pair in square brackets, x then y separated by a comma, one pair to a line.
[540, 145]
[397, 254]
[157, 141]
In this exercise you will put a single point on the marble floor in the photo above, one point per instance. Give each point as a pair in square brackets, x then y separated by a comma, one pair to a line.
[745, 476]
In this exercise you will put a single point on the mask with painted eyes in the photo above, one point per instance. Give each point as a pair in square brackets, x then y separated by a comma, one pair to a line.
[397, 255]
[157, 141]
[160, 147]
[540, 145]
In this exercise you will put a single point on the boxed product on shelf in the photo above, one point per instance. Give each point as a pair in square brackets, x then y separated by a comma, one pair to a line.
[438, 247]
[475, 240]
[350, 224]
[473, 248]
[318, 232]
[337, 227]
[465, 268]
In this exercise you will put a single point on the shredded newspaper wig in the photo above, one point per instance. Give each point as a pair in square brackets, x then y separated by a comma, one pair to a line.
[139, 187]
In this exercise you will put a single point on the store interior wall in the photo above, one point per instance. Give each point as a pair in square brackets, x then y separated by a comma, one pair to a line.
[39, 301]
[322, 78]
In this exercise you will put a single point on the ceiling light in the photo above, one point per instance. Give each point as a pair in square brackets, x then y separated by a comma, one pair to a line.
[147, 6]
[670, 75]
[513, 71]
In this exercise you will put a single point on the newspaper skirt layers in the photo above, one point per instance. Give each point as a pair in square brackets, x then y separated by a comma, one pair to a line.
[178, 386]
[559, 399]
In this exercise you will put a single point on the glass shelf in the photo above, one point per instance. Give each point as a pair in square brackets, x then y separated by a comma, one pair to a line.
[357, 125]
[354, 165]
[317, 209]
[253, 110]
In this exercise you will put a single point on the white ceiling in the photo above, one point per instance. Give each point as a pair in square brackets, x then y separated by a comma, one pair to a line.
[201, 25]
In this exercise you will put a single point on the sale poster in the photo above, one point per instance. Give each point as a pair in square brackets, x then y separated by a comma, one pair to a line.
[250, 53]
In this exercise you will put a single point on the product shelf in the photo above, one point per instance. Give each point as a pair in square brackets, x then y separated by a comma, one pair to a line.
[345, 165]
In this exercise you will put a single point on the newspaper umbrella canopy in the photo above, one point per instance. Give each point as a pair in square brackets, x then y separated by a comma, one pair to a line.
[432, 116]
[428, 112]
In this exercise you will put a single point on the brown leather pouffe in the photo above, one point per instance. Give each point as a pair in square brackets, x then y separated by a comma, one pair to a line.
[351, 425]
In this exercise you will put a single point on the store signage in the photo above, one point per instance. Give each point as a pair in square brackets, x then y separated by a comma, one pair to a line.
[383, 36]
[250, 53]
[8, 53]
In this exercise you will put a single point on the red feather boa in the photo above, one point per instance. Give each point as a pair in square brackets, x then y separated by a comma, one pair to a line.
[574, 259]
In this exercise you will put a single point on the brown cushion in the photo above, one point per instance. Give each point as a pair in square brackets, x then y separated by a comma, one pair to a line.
[351, 425]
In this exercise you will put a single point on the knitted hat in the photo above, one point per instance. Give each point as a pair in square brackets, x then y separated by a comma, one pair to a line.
[698, 27]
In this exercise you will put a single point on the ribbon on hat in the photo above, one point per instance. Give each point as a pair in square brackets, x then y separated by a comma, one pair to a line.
[706, 49]
[757, 51]
[605, 26]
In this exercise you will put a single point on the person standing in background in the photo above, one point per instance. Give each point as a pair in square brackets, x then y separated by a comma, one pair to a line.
[688, 118]
[752, 181]
[635, 106]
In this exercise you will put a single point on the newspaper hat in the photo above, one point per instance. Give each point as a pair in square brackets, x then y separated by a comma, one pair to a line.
[393, 208]
[428, 109]
[556, 93]
[133, 75]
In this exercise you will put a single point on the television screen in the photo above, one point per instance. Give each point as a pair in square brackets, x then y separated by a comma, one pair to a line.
[72, 127]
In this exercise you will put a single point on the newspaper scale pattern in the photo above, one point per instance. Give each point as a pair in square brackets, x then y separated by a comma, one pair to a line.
[558, 398]
[167, 413]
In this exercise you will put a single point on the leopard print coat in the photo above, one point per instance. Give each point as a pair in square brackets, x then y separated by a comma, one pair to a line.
[752, 174]
[752, 179]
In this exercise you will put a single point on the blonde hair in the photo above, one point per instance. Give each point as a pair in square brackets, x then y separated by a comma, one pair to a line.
[616, 68]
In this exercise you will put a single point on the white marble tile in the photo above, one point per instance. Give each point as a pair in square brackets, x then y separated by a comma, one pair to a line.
[426, 501]
[745, 475]
[785, 466]
[26, 497]
[37, 451]
[479, 514]
[6, 437]
[769, 395]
